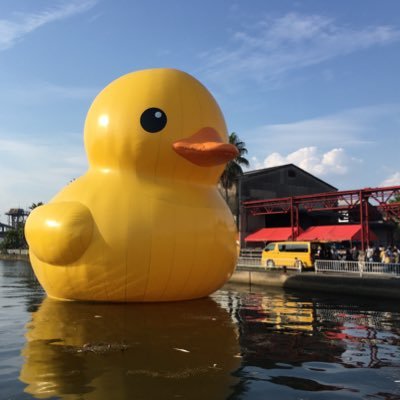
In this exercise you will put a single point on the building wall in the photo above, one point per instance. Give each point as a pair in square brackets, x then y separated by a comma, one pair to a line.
[285, 181]
[278, 182]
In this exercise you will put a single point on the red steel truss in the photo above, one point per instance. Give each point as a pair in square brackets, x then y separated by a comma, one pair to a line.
[361, 202]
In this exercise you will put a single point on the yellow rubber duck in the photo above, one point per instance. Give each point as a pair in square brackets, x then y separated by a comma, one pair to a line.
[146, 222]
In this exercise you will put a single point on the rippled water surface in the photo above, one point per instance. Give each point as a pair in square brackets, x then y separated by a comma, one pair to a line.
[238, 344]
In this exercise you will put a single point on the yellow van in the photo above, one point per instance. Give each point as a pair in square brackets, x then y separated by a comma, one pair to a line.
[298, 255]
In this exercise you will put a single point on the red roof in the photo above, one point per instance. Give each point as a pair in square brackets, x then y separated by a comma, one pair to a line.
[334, 233]
[271, 234]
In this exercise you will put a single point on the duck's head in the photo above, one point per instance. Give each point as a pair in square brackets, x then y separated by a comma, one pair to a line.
[161, 123]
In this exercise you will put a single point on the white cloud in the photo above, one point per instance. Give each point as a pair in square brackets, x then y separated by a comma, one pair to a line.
[311, 159]
[392, 180]
[273, 47]
[353, 148]
[13, 30]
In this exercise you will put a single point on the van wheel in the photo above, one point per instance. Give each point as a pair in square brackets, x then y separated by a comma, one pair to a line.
[270, 264]
[299, 266]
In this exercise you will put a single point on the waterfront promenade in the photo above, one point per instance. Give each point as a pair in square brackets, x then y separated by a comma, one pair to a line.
[17, 254]
[383, 286]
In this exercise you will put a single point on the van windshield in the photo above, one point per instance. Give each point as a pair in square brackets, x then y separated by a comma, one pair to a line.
[269, 247]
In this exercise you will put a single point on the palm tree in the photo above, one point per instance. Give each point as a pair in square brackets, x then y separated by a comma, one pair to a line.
[233, 169]
[34, 205]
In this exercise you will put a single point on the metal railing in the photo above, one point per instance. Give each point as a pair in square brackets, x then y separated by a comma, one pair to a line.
[337, 266]
[18, 251]
[358, 267]
[251, 253]
[249, 261]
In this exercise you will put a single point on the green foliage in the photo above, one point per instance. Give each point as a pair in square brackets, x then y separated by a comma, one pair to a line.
[34, 205]
[14, 239]
[233, 169]
[396, 233]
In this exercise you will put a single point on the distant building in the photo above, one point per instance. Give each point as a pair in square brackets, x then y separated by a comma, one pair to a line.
[280, 182]
[283, 181]
[3, 229]
[16, 216]
[286, 202]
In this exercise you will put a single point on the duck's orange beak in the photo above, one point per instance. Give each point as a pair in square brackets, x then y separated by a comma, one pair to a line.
[205, 148]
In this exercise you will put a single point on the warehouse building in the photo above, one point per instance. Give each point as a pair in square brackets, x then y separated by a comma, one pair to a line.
[288, 203]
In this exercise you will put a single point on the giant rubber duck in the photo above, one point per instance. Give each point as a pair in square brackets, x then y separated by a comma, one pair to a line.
[146, 222]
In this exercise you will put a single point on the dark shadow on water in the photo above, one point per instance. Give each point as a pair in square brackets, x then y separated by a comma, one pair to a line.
[302, 384]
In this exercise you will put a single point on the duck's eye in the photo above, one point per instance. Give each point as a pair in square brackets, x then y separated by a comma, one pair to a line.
[153, 120]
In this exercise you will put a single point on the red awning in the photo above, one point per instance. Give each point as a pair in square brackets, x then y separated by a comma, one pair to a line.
[271, 234]
[335, 233]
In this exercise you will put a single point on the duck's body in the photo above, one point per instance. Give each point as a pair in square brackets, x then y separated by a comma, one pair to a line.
[146, 245]
[150, 228]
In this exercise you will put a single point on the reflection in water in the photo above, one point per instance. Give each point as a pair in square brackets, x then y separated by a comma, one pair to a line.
[371, 338]
[292, 344]
[17, 275]
[280, 329]
[117, 351]
[262, 344]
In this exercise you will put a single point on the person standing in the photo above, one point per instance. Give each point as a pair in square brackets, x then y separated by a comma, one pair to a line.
[354, 253]
[396, 255]
[388, 256]
[370, 254]
[382, 254]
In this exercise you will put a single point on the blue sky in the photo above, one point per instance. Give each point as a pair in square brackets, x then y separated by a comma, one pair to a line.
[315, 83]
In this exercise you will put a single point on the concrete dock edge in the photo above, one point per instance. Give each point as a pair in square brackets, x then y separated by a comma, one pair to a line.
[372, 287]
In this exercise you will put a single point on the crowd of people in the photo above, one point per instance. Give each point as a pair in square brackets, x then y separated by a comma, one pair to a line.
[386, 255]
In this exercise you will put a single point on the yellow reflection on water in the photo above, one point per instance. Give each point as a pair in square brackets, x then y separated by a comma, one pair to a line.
[128, 351]
[286, 314]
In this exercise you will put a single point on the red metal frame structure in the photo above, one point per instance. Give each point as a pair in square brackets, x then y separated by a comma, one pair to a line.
[383, 199]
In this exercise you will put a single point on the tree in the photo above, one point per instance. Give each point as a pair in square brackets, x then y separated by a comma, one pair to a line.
[233, 169]
[396, 233]
[34, 205]
[14, 238]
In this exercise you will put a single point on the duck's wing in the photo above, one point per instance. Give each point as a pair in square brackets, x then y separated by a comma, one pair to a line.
[59, 233]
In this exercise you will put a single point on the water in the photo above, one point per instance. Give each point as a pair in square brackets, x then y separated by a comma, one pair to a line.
[238, 344]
